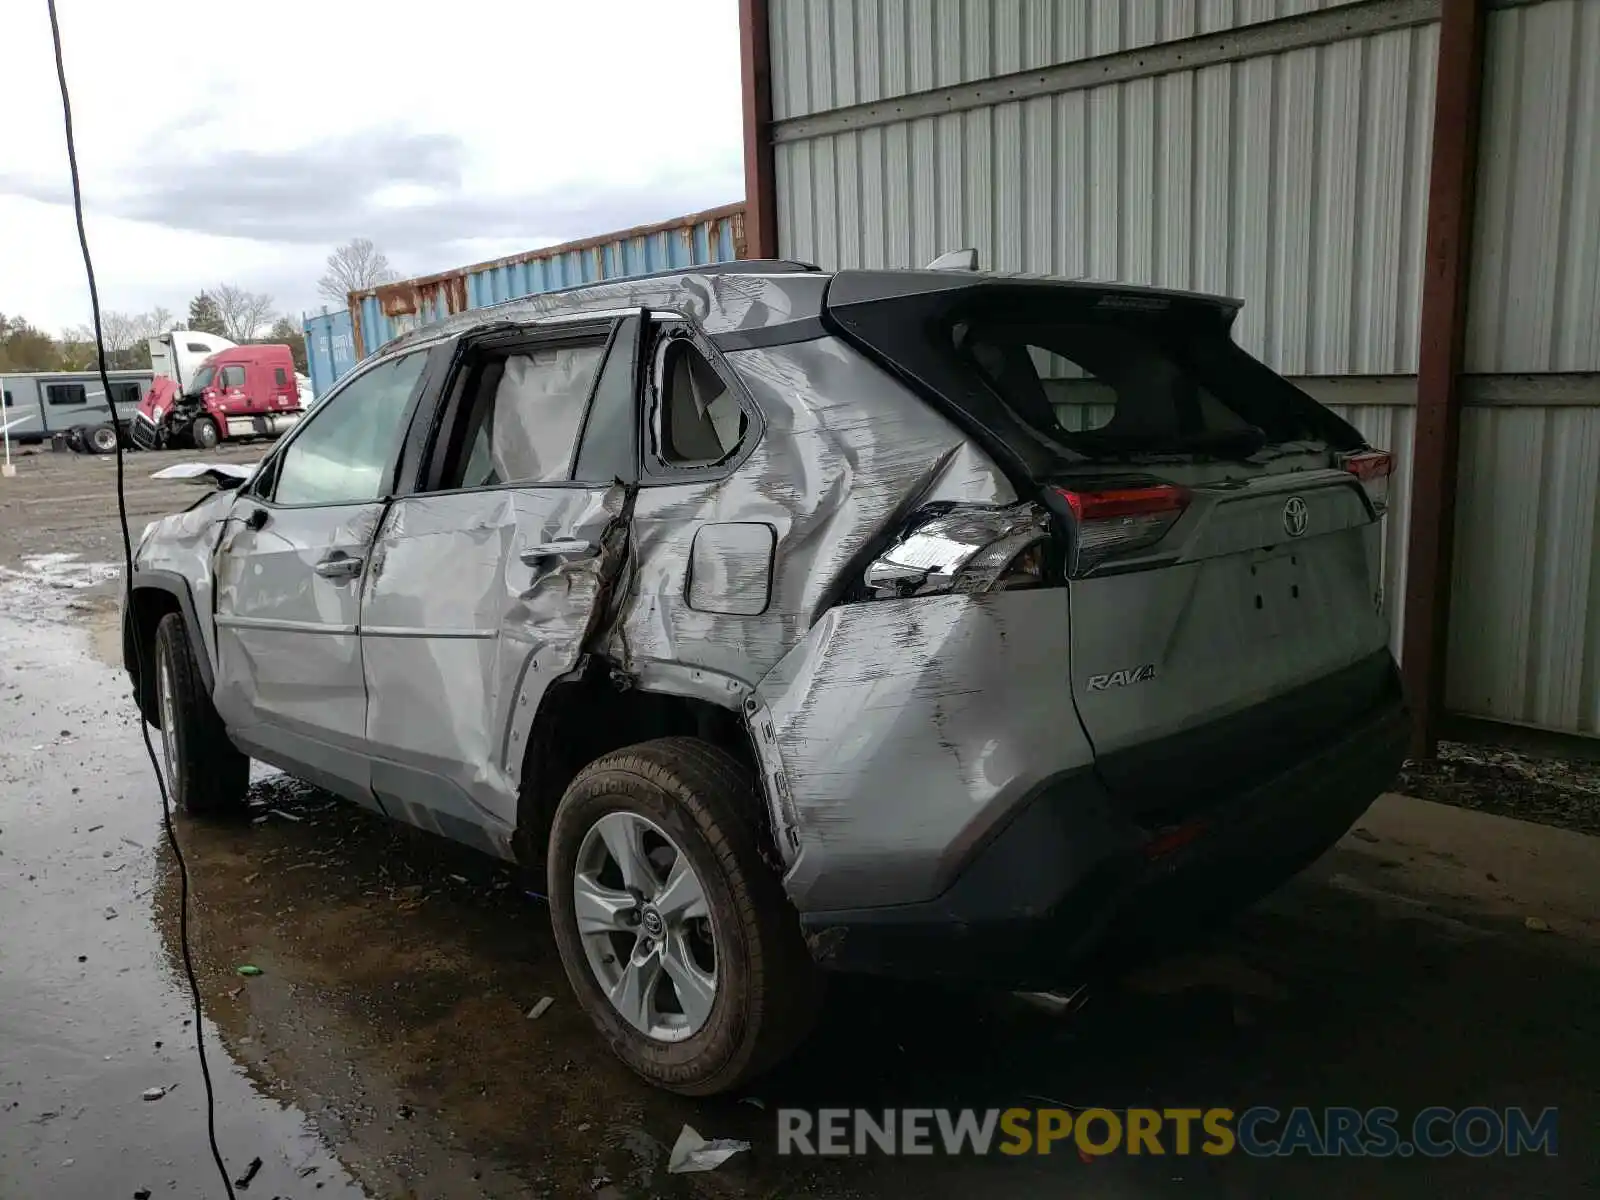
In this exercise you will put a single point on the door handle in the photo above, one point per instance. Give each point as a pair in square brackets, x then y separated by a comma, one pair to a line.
[560, 548]
[339, 566]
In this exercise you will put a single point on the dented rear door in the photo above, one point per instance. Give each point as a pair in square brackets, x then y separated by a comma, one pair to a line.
[489, 582]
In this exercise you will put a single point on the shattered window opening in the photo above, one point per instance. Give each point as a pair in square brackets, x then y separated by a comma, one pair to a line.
[698, 419]
[522, 427]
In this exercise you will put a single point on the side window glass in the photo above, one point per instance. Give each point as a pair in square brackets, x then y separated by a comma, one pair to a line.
[697, 418]
[233, 376]
[524, 416]
[66, 393]
[280, 377]
[343, 453]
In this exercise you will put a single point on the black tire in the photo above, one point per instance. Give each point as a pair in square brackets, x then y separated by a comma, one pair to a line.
[204, 434]
[206, 773]
[768, 989]
[102, 439]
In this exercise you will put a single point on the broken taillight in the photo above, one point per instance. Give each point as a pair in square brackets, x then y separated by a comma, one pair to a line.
[1372, 468]
[962, 548]
[1111, 521]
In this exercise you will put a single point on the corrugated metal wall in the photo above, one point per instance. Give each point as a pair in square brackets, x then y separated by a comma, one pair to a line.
[1536, 249]
[1296, 180]
[830, 54]
[1525, 600]
[708, 237]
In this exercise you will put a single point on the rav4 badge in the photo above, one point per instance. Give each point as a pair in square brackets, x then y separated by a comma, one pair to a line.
[1122, 678]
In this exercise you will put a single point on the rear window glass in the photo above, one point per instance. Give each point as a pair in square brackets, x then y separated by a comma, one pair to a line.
[1105, 387]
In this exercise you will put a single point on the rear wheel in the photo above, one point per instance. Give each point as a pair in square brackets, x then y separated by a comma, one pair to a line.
[204, 433]
[675, 933]
[206, 774]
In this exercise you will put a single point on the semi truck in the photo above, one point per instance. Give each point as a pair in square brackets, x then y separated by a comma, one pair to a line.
[207, 390]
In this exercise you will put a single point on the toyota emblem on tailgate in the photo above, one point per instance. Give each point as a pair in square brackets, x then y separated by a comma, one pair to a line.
[1295, 516]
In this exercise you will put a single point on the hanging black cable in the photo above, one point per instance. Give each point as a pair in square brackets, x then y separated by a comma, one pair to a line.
[127, 582]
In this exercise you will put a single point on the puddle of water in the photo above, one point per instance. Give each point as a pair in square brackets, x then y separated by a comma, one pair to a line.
[92, 1011]
[41, 588]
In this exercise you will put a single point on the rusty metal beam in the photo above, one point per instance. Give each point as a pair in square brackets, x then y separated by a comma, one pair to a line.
[755, 85]
[1447, 263]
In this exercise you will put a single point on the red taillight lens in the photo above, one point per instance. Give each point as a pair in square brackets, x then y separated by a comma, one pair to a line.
[1114, 521]
[1372, 468]
[1125, 502]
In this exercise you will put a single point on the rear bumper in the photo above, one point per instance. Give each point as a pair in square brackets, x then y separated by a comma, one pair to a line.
[1072, 881]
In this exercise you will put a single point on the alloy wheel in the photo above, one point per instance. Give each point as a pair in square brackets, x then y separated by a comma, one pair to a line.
[645, 926]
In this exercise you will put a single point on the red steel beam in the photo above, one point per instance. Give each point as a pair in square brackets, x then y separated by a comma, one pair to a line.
[755, 80]
[1447, 263]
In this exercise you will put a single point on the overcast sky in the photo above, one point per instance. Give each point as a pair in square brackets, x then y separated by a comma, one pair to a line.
[240, 143]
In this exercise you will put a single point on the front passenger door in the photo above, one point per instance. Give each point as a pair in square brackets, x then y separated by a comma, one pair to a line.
[288, 571]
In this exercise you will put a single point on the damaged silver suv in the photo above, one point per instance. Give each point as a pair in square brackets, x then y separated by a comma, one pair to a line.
[937, 624]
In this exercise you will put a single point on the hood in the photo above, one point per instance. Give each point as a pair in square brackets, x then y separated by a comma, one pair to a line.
[158, 400]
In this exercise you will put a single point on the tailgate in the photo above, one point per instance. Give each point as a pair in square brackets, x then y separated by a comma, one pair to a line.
[1251, 636]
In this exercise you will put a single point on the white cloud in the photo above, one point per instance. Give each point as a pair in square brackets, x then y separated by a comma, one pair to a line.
[220, 142]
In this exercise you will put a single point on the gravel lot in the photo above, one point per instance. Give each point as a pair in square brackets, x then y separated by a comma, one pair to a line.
[65, 503]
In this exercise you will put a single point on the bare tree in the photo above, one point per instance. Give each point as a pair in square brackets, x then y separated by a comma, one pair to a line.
[243, 312]
[119, 330]
[154, 323]
[354, 267]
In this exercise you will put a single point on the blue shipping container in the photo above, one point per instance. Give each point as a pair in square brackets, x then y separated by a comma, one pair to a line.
[330, 348]
[382, 313]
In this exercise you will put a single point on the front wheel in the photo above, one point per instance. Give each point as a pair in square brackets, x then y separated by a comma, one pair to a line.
[676, 935]
[206, 774]
[204, 433]
[102, 439]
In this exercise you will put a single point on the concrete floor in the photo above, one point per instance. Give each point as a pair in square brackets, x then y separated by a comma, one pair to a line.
[384, 1050]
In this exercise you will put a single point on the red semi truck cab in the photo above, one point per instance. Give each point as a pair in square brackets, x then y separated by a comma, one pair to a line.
[239, 392]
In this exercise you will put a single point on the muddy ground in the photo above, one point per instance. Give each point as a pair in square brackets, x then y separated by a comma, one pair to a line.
[1437, 956]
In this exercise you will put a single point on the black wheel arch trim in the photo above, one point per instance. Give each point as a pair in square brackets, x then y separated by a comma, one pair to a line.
[176, 586]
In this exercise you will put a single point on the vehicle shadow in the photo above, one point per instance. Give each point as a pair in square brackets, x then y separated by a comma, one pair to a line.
[398, 971]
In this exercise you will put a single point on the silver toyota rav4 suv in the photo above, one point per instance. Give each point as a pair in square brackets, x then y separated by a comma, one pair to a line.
[936, 624]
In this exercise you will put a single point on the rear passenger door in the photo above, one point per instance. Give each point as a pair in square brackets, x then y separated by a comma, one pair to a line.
[487, 579]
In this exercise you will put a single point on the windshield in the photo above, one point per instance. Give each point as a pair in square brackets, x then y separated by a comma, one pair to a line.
[202, 379]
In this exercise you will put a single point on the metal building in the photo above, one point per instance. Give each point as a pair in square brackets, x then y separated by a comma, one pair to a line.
[1406, 194]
